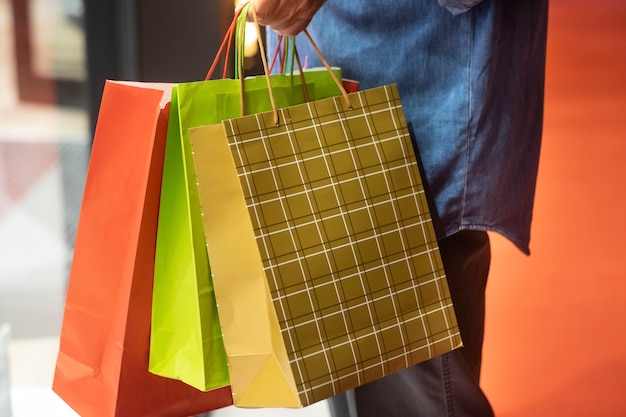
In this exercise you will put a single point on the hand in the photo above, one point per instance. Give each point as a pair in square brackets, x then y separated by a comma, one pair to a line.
[286, 17]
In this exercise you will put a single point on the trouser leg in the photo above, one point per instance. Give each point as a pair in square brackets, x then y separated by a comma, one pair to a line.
[448, 385]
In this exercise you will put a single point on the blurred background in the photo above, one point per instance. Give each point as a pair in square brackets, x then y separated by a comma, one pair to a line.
[54, 58]
[556, 322]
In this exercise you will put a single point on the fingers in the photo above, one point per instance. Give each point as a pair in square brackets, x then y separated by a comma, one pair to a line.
[286, 17]
[291, 28]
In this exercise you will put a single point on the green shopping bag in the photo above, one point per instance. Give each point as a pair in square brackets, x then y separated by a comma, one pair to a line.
[186, 341]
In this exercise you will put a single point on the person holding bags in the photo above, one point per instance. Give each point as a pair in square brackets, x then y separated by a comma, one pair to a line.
[470, 74]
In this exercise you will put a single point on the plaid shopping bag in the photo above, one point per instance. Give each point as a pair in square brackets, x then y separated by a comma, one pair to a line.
[324, 259]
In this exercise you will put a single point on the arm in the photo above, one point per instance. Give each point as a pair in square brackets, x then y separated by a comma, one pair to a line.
[286, 17]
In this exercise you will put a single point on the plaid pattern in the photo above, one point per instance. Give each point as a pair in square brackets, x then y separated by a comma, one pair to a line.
[345, 235]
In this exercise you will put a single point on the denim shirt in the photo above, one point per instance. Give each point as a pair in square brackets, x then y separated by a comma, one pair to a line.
[478, 145]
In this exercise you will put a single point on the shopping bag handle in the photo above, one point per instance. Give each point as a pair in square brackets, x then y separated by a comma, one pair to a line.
[228, 41]
[226, 44]
[263, 60]
[265, 67]
[237, 26]
[344, 93]
[286, 43]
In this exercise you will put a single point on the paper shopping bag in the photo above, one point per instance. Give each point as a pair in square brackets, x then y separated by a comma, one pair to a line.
[186, 338]
[326, 268]
[102, 365]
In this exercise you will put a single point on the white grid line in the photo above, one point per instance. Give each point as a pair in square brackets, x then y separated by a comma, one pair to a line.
[342, 122]
[325, 156]
[384, 359]
[369, 270]
[423, 230]
[375, 237]
[381, 298]
[421, 316]
[376, 147]
[285, 306]
[308, 127]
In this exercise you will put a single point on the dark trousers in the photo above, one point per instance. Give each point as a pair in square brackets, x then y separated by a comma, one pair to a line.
[448, 385]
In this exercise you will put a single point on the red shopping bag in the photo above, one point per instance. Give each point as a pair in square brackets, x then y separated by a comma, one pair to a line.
[102, 365]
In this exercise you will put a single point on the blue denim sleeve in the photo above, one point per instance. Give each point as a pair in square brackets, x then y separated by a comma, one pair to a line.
[458, 6]
[481, 176]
